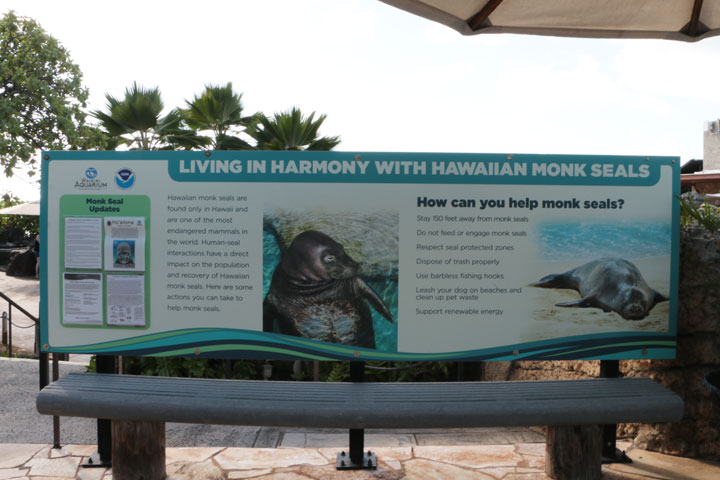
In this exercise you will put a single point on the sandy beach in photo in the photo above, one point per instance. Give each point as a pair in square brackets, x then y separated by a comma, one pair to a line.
[550, 321]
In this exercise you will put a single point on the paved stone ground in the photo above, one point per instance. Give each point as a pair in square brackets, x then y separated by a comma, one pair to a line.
[523, 461]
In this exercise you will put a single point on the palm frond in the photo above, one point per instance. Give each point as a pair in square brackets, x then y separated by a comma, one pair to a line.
[291, 131]
[229, 142]
[218, 109]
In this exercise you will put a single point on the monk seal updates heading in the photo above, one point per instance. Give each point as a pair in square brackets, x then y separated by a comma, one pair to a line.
[315, 292]
[612, 284]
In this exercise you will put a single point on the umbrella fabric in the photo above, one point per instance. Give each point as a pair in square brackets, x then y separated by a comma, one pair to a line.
[29, 208]
[685, 20]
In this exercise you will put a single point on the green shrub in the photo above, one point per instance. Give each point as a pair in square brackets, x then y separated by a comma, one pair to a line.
[706, 215]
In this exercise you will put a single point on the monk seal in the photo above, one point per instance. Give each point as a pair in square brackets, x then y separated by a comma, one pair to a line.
[612, 284]
[315, 292]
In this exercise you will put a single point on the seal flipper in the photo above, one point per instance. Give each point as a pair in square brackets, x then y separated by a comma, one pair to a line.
[590, 301]
[657, 298]
[557, 280]
[270, 313]
[366, 292]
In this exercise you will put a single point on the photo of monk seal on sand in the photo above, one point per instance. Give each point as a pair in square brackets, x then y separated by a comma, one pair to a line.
[316, 292]
[612, 284]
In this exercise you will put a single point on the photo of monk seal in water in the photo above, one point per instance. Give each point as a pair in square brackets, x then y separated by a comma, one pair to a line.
[316, 292]
[612, 284]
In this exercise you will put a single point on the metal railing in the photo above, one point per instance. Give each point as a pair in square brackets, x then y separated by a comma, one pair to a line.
[7, 324]
[44, 360]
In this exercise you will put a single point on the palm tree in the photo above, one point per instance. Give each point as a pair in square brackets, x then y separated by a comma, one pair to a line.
[291, 131]
[219, 109]
[135, 121]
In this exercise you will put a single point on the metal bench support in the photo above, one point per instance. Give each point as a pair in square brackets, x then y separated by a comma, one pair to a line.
[610, 452]
[357, 459]
[103, 457]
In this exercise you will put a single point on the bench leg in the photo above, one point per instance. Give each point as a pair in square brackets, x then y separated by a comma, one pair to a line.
[138, 450]
[573, 453]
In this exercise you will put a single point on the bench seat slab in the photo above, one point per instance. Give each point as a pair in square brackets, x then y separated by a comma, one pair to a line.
[360, 405]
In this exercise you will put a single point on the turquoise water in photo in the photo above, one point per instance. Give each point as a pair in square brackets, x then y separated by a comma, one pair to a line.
[588, 240]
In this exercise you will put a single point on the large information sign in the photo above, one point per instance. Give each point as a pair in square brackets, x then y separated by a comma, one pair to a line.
[338, 255]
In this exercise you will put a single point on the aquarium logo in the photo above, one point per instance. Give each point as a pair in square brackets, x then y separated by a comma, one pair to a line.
[125, 178]
[90, 181]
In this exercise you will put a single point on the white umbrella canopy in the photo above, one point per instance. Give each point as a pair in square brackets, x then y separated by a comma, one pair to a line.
[684, 20]
[29, 208]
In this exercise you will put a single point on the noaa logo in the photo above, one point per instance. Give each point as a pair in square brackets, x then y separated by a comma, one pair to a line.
[125, 178]
[91, 173]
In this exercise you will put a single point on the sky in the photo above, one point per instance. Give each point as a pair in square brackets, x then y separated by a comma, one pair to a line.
[392, 81]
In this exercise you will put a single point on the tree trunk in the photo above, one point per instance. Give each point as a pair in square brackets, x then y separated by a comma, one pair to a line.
[138, 450]
[573, 453]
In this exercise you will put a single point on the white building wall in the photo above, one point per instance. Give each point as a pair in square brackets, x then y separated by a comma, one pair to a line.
[711, 146]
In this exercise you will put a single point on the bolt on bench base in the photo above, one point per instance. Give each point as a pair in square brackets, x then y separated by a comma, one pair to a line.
[96, 461]
[356, 459]
[367, 462]
[619, 456]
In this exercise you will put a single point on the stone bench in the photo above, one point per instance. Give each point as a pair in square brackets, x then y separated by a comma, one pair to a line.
[572, 409]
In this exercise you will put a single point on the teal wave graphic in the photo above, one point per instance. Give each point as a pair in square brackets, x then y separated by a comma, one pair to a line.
[229, 343]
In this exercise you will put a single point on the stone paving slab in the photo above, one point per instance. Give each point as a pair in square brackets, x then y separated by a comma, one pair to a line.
[244, 459]
[498, 437]
[341, 440]
[196, 454]
[523, 461]
[666, 467]
[320, 438]
[14, 455]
